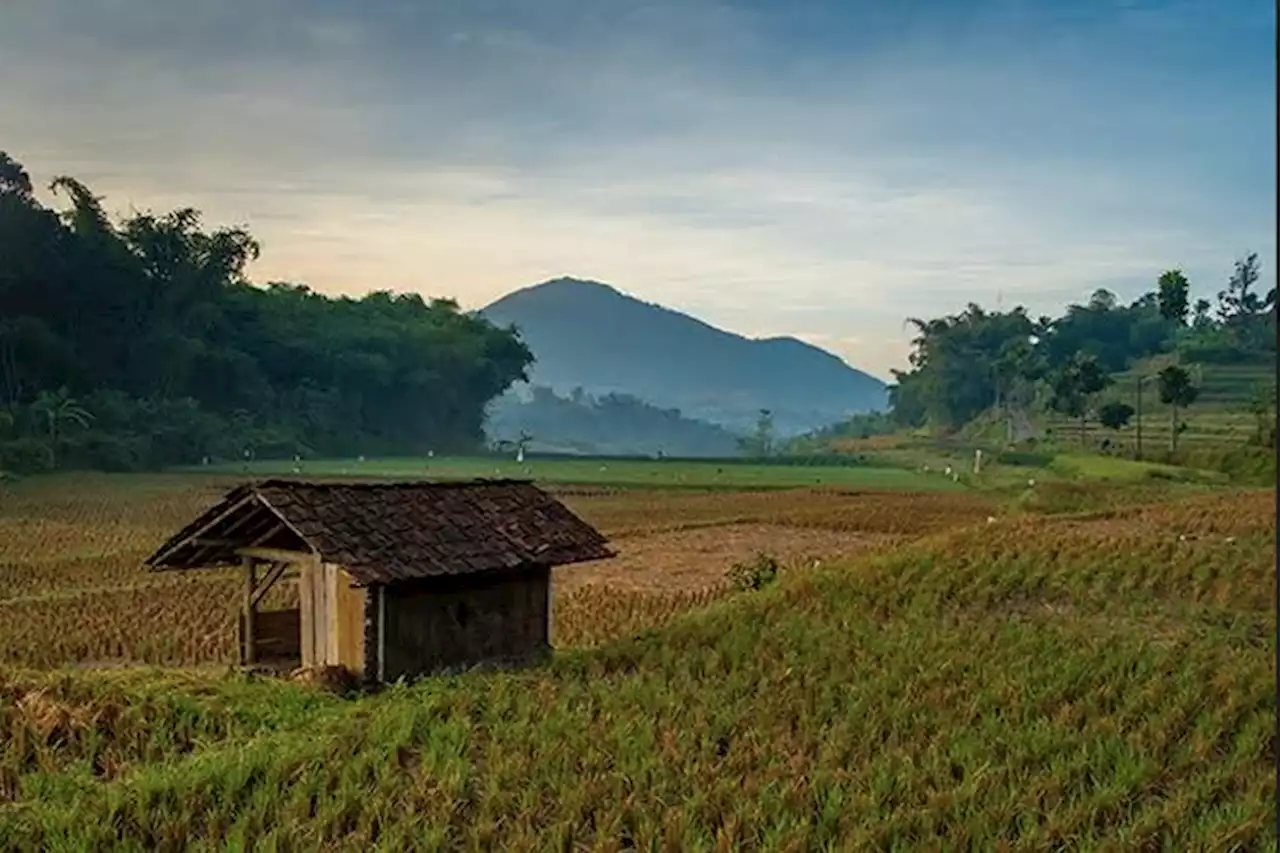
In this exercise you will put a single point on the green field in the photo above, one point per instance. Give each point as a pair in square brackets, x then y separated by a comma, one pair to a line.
[1084, 466]
[603, 472]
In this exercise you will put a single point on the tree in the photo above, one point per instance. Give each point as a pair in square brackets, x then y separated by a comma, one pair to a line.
[761, 442]
[14, 179]
[1172, 290]
[86, 217]
[1263, 405]
[1115, 415]
[1115, 335]
[1074, 387]
[1201, 318]
[1177, 391]
[962, 365]
[1239, 299]
[58, 409]
[153, 328]
[522, 444]
[1103, 300]
[1248, 318]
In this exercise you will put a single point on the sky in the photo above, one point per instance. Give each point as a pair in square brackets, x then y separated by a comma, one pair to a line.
[817, 169]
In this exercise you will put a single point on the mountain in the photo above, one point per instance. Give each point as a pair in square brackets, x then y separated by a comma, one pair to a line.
[589, 335]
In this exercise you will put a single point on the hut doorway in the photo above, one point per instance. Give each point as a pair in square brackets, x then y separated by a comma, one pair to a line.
[271, 638]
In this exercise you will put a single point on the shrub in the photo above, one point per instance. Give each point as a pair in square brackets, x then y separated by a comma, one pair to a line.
[754, 574]
[1024, 458]
[26, 456]
[1243, 464]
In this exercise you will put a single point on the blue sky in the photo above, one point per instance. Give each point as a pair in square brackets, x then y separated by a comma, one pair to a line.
[819, 169]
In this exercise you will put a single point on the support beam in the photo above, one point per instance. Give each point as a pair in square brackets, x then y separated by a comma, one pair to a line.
[250, 606]
[306, 616]
[223, 542]
[382, 631]
[277, 571]
[275, 555]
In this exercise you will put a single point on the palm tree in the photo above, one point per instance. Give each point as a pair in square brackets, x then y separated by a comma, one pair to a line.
[522, 445]
[86, 217]
[60, 409]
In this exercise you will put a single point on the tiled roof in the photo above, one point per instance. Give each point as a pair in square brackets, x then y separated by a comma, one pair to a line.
[389, 532]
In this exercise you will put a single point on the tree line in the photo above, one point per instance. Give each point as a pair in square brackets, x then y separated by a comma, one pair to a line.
[979, 361]
[140, 342]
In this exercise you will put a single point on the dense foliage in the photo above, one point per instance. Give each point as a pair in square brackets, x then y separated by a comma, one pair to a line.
[141, 343]
[965, 364]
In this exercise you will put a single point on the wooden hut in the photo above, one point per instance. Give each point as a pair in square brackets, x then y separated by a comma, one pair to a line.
[394, 579]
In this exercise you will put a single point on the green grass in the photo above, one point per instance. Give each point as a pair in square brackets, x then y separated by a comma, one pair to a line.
[1111, 468]
[603, 472]
[1034, 684]
[69, 730]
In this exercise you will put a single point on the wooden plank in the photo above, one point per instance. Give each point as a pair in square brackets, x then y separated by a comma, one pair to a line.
[306, 604]
[382, 632]
[350, 623]
[332, 651]
[160, 556]
[272, 576]
[275, 555]
[546, 601]
[250, 570]
[276, 635]
[322, 616]
[319, 615]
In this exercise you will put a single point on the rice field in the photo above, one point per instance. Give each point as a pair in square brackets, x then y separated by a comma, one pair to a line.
[622, 473]
[73, 589]
[931, 671]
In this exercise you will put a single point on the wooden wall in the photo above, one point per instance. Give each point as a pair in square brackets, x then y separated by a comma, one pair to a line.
[277, 636]
[461, 621]
[332, 623]
[349, 622]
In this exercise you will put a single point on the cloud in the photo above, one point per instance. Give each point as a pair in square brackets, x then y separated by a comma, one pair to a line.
[832, 168]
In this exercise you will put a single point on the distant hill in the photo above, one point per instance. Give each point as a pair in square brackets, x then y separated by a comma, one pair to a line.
[612, 425]
[591, 336]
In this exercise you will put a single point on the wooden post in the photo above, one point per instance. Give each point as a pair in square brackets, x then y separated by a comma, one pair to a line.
[382, 632]
[332, 622]
[250, 606]
[1138, 411]
[306, 604]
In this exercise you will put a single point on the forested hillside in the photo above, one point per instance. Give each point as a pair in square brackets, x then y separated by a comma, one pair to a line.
[610, 424]
[140, 342]
[1089, 364]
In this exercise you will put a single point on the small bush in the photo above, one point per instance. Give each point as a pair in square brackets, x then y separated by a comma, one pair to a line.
[1024, 458]
[26, 456]
[754, 574]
